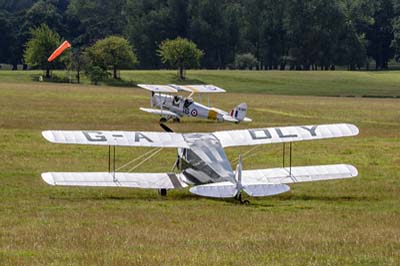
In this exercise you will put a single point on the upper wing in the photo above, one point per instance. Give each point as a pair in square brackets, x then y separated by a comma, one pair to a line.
[172, 88]
[105, 179]
[117, 138]
[158, 88]
[159, 112]
[284, 134]
[198, 88]
[298, 174]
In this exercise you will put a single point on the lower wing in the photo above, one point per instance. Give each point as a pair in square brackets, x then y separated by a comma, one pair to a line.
[299, 174]
[269, 182]
[230, 190]
[159, 112]
[118, 179]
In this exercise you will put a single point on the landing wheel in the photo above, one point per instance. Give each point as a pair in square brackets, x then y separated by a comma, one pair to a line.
[162, 192]
[163, 120]
[243, 202]
[176, 120]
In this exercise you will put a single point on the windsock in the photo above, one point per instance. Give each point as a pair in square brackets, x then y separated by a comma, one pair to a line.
[59, 50]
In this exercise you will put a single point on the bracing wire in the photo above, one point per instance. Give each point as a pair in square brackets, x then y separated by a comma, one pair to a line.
[136, 159]
[144, 160]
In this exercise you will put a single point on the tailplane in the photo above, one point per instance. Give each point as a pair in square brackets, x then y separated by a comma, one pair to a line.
[239, 113]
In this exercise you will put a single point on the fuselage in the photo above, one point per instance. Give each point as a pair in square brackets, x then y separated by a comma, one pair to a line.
[186, 107]
[205, 161]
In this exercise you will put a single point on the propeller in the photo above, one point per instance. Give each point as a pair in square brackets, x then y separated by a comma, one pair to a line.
[238, 174]
[165, 127]
[176, 164]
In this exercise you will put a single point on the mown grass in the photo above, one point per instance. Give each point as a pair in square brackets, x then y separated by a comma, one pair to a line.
[345, 222]
[320, 83]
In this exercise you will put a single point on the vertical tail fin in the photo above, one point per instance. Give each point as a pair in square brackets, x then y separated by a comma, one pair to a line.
[239, 112]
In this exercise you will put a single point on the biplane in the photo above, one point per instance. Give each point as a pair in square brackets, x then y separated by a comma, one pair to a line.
[175, 107]
[201, 160]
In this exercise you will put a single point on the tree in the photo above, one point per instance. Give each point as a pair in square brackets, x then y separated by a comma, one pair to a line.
[94, 20]
[180, 53]
[211, 26]
[149, 23]
[351, 49]
[114, 52]
[396, 30]
[43, 12]
[380, 34]
[396, 41]
[7, 39]
[43, 42]
[243, 61]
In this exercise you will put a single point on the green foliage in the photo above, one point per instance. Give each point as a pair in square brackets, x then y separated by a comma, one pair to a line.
[44, 12]
[96, 74]
[245, 61]
[180, 53]
[214, 28]
[7, 39]
[380, 33]
[396, 41]
[149, 23]
[299, 34]
[43, 42]
[396, 31]
[94, 20]
[114, 52]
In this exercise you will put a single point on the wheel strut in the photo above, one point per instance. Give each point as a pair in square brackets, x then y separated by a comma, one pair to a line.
[162, 192]
[239, 198]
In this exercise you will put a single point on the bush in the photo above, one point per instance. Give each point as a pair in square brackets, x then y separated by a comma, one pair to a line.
[245, 61]
[96, 74]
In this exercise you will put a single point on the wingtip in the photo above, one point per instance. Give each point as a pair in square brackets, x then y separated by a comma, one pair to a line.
[353, 170]
[48, 178]
[48, 135]
[354, 129]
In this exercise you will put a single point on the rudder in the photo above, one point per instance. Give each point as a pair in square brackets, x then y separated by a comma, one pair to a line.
[239, 112]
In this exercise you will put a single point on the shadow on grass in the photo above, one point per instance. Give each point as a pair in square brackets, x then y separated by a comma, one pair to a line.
[53, 79]
[184, 195]
[186, 81]
[173, 79]
[303, 197]
[120, 83]
[145, 195]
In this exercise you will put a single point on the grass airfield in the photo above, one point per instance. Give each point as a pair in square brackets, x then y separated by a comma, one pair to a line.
[345, 222]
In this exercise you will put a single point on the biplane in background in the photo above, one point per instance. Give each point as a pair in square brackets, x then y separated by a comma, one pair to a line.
[176, 106]
[202, 162]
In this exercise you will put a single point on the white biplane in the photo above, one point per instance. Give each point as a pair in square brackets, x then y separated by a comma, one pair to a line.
[177, 106]
[202, 162]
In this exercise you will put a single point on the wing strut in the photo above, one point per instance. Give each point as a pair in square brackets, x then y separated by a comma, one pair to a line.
[114, 163]
[290, 160]
[290, 157]
[109, 161]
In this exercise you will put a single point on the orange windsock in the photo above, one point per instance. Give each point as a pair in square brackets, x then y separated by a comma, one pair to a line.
[59, 50]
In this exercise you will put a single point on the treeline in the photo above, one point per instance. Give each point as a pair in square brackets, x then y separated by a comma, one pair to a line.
[270, 34]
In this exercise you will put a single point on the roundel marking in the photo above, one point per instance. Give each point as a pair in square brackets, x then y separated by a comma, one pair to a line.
[193, 112]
